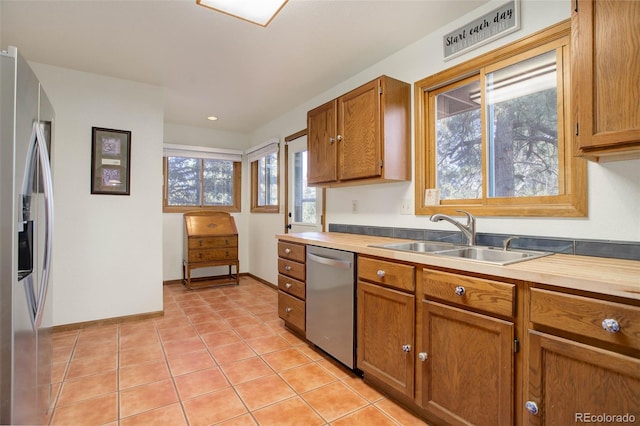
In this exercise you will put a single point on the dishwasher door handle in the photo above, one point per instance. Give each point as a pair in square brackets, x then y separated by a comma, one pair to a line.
[343, 264]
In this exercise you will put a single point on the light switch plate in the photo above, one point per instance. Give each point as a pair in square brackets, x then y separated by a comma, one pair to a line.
[407, 206]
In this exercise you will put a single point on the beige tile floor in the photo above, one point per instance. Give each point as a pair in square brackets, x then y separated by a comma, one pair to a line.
[218, 356]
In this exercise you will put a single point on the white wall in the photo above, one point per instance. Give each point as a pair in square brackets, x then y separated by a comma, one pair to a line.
[614, 188]
[107, 259]
[173, 226]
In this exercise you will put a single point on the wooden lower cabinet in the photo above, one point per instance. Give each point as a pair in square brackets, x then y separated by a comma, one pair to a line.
[385, 331]
[467, 375]
[571, 382]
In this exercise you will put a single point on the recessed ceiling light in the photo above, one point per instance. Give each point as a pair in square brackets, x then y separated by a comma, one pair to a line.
[259, 12]
[212, 118]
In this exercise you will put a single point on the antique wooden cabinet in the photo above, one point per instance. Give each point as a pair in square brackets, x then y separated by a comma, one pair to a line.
[362, 136]
[210, 239]
[605, 78]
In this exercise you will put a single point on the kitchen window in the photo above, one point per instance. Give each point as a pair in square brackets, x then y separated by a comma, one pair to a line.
[493, 134]
[265, 180]
[201, 178]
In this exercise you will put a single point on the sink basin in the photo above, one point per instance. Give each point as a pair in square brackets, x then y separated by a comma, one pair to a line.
[418, 246]
[493, 255]
[476, 253]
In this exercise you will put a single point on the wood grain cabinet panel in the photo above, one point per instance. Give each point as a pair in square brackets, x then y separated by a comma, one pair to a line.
[491, 296]
[385, 333]
[468, 371]
[585, 316]
[291, 285]
[569, 381]
[396, 275]
[605, 75]
[362, 136]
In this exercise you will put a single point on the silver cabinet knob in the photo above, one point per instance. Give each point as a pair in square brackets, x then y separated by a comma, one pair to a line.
[406, 348]
[531, 407]
[339, 137]
[287, 310]
[332, 140]
[288, 285]
[287, 268]
[287, 250]
[422, 356]
[460, 291]
[380, 273]
[611, 325]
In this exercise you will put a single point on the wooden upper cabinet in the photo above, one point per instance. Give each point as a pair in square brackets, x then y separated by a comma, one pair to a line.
[362, 135]
[606, 78]
[322, 128]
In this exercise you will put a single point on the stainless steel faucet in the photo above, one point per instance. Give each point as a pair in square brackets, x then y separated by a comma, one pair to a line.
[469, 229]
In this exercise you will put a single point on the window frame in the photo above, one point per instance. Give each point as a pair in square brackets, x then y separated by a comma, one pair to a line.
[237, 191]
[255, 187]
[572, 198]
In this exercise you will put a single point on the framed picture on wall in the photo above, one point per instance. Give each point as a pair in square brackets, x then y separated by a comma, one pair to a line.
[110, 161]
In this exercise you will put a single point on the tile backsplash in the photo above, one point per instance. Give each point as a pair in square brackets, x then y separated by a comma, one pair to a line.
[601, 248]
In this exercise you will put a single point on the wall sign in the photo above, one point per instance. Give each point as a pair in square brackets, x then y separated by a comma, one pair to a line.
[495, 24]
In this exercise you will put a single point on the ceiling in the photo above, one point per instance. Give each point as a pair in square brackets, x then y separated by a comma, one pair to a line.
[210, 63]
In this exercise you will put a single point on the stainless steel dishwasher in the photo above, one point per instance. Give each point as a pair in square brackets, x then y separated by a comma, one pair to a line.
[330, 302]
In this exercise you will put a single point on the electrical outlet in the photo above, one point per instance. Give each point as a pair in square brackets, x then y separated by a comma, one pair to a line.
[354, 206]
[406, 207]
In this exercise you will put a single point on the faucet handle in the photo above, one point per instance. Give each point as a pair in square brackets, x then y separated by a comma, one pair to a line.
[470, 217]
[506, 244]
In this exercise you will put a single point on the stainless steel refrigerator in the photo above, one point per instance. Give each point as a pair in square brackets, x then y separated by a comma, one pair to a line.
[26, 226]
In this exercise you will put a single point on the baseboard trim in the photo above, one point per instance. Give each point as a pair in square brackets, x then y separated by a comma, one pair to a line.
[242, 274]
[107, 321]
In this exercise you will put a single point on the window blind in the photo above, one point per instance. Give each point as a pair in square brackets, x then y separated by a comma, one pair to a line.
[269, 147]
[188, 151]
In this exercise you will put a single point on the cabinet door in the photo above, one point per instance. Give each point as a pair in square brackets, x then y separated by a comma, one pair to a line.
[467, 377]
[359, 128]
[606, 61]
[386, 321]
[322, 144]
[569, 381]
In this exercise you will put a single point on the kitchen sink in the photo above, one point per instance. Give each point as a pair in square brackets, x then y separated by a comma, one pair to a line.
[418, 246]
[491, 255]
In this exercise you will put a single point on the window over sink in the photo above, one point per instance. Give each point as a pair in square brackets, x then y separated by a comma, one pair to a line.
[493, 133]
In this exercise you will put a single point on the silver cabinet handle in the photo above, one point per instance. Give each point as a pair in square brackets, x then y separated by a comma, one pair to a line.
[288, 285]
[339, 137]
[531, 407]
[287, 250]
[287, 267]
[380, 273]
[611, 325]
[460, 291]
[422, 356]
[287, 310]
[332, 140]
[406, 348]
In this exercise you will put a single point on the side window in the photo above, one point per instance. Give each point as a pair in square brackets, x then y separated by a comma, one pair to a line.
[495, 139]
[304, 196]
[265, 178]
[201, 180]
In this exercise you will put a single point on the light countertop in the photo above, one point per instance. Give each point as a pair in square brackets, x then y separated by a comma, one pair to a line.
[615, 277]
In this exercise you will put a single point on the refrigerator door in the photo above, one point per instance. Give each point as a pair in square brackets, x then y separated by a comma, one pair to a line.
[25, 250]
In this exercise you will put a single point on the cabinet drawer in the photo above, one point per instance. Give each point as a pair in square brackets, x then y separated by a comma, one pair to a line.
[213, 242]
[291, 310]
[585, 316]
[230, 253]
[390, 274]
[292, 269]
[486, 295]
[294, 287]
[291, 251]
